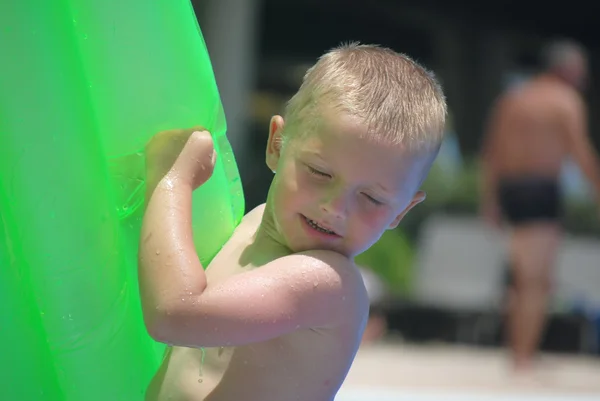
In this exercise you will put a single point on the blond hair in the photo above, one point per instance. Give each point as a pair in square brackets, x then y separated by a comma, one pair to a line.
[396, 99]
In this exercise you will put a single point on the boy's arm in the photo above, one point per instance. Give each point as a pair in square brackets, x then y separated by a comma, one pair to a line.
[296, 292]
[299, 291]
[177, 162]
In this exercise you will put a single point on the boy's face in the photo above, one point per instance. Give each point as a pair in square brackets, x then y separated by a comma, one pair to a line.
[336, 190]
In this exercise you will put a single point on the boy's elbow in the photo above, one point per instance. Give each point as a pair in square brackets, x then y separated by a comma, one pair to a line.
[159, 325]
[171, 326]
[156, 327]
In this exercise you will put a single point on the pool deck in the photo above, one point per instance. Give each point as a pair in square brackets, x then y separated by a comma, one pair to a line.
[401, 368]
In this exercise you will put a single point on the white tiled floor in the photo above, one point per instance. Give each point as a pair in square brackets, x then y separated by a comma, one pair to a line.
[380, 394]
[397, 372]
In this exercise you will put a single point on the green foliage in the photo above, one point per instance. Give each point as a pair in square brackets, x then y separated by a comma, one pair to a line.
[391, 259]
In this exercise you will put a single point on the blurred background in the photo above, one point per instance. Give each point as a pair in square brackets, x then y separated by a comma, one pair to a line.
[437, 281]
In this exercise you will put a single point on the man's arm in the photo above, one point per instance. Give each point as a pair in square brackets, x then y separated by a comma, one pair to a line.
[579, 143]
[488, 159]
[300, 291]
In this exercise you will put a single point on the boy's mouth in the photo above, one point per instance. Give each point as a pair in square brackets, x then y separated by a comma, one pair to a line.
[318, 227]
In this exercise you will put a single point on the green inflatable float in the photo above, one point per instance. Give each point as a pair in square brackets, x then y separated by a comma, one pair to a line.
[83, 85]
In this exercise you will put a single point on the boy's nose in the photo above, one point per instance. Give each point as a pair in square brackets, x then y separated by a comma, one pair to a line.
[336, 205]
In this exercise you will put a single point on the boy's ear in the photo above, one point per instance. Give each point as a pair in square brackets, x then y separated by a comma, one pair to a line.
[275, 142]
[418, 198]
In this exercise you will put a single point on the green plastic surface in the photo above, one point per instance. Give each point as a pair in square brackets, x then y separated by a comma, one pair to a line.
[83, 85]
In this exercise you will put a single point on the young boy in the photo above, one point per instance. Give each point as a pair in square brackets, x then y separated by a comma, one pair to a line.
[279, 313]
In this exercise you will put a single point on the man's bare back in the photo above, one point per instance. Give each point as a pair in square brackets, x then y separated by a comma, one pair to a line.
[535, 128]
[278, 369]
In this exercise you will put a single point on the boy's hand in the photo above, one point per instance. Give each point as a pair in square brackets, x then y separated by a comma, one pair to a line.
[196, 161]
[186, 154]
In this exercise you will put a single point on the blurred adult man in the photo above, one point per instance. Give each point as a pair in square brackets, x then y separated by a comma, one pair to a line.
[533, 128]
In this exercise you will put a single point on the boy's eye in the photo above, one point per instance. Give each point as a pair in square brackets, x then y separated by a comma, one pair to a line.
[318, 173]
[373, 200]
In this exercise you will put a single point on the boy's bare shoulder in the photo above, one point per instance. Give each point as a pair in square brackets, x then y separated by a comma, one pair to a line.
[327, 272]
[256, 214]
[244, 231]
[252, 219]
[326, 259]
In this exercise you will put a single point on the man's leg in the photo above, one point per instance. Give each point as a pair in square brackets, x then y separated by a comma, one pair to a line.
[533, 251]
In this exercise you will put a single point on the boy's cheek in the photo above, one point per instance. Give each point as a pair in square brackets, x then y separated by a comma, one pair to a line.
[375, 224]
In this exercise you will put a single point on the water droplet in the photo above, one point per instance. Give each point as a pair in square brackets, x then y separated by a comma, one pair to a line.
[200, 380]
[315, 284]
[157, 252]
